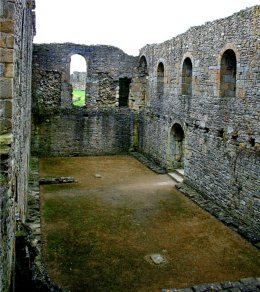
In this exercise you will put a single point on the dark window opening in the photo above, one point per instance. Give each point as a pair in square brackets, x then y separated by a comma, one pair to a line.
[160, 80]
[228, 71]
[187, 77]
[124, 88]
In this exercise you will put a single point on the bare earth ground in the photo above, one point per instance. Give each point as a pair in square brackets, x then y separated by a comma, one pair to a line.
[99, 232]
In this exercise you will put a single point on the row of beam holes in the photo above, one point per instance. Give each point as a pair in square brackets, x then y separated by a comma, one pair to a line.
[234, 137]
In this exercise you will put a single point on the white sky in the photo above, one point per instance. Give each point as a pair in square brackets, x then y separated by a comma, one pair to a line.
[129, 25]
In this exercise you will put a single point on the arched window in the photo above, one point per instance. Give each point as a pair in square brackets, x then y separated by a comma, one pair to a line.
[187, 77]
[228, 71]
[78, 73]
[143, 75]
[160, 80]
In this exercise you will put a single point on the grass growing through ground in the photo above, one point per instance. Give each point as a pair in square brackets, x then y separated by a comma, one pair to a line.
[79, 94]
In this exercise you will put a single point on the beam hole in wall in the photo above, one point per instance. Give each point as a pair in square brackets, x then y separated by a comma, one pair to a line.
[187, 77]
[228, 71]
[220, 133]
[252, 142]
[78, 74]
[160, 80]
[124, 88]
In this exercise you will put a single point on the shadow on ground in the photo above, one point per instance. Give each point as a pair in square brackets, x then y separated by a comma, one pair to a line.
[99, 233]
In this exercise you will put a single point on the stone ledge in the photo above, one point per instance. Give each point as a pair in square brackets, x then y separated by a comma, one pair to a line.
[57, 180]
[246, 284]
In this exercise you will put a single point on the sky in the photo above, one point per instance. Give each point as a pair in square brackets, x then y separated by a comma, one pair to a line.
[128, 25]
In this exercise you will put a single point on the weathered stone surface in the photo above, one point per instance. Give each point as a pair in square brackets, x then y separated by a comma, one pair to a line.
[17, 21]
[6, 88]
[56, 180]
[6, 55]
[7, 26]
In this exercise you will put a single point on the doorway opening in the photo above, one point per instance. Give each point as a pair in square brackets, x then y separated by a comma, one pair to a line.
[177, 146]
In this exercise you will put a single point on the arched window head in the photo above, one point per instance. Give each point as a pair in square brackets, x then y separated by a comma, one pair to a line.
[160, 80]
[228, 71]
[187, 77]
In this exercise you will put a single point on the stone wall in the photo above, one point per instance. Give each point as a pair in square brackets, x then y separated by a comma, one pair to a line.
[211, 92]
[82, 132]
[101, 126]
[105, 64]
[16, 34]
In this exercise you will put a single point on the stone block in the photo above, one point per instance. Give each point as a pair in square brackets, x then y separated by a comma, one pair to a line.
[6, 140]
[6, 55]
[10, 42]
[6, 88]
[5, 109]
[5, 126]
[9, 70]
[7, 26]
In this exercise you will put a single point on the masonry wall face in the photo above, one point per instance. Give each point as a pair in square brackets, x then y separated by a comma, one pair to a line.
[221, 144]
[17, 30]
[84, 132]
[105, 65]
[99, 127]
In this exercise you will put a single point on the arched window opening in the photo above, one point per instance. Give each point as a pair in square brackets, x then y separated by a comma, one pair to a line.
[177, 145]
[78, 74]
[228, 71]
[143, 71]
[160, 80]
[143, 75]
[187, 77]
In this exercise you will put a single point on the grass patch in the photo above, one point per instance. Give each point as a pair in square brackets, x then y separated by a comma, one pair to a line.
[81, 95]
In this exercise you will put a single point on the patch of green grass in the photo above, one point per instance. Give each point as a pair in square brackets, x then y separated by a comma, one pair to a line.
[79, 94]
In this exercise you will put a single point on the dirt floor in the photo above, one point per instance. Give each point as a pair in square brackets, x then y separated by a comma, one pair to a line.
[99, 233]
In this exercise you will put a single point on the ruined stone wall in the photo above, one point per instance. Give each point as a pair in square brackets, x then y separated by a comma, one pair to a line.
[16, 34]
[78, 80]
[105, 65]
[100, 127]
[221, 133]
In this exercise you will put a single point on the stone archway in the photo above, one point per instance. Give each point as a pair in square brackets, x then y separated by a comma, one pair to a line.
[176, 144]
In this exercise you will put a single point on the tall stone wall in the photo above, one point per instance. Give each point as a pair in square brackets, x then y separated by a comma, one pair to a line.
[16, 34]
[221, 136]
[101, 126]
[105, 65]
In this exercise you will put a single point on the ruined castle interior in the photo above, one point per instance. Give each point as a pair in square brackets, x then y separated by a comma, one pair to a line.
[191, 102]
